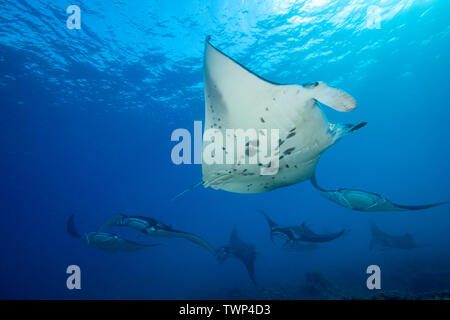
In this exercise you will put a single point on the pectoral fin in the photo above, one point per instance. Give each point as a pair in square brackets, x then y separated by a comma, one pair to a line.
[419, 207]
[271, 223]
[113, 221]
[110, 242]
[250, 266]
[322, 237]
[71, 230]
[126, 245]
[185, 235]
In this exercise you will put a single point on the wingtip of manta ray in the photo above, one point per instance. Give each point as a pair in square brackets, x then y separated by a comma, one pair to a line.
[358, 126]
[421, 207]
[71, 229]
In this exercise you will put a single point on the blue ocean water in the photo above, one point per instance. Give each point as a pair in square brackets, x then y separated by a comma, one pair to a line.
[86, 118]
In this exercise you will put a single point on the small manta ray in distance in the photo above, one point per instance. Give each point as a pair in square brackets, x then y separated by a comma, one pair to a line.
[361, 200]
[385, 240]
[240, 250]
[152, 227]
[104, 241]
[294, 236]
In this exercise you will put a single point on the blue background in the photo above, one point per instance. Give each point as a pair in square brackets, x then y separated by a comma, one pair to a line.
[85, 123]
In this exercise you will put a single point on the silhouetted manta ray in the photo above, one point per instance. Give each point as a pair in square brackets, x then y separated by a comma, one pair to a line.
[154, 228]
[295, 234]
[361, 200]
[383, 239]
[104, 241]
[240, 250]
[237, 98]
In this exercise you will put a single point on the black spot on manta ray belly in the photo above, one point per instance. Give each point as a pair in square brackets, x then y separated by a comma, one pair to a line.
[290, 135]
[262, 120]
[289, 151]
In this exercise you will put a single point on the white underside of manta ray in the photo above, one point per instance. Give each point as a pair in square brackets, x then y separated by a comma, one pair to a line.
[236, 98]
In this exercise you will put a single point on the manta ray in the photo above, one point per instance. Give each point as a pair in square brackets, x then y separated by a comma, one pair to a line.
[240, 250]
[236, 98]
[104, 241]
[361, 200]
[155, 228]
[385, 240]
[293, 237]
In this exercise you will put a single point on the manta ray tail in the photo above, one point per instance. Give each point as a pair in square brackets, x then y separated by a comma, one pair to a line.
[187, 190]
[71, 230]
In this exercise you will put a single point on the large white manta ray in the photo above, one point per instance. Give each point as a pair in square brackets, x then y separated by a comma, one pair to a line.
[236, 98]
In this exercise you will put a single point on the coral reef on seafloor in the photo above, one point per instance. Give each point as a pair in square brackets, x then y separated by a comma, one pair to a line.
[400, 295]
[317, 287]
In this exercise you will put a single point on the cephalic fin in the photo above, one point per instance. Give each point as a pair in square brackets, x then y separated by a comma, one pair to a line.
[331, 97]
